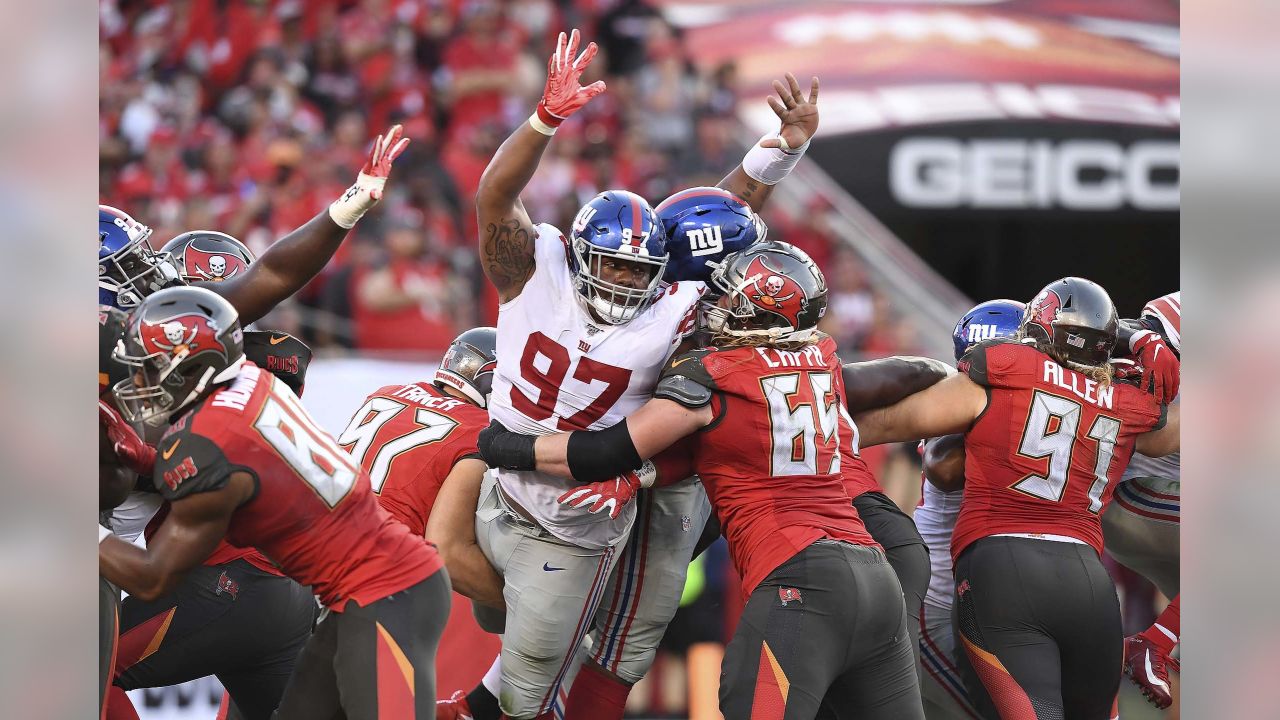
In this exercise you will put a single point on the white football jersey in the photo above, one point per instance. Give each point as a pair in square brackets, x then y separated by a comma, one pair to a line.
[935, 518]
[561, 370]
[130, 517]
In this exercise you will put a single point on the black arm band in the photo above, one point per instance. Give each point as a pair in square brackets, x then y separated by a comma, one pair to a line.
[601, 454]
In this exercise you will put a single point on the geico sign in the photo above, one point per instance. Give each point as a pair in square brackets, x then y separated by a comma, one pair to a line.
[1030, 174]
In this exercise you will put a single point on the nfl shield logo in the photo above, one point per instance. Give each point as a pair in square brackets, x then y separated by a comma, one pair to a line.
[686, 522]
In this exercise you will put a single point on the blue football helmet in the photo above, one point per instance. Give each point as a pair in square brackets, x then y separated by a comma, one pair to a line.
[128, 269]
[703, 225]
[614, 226]
[987, 321]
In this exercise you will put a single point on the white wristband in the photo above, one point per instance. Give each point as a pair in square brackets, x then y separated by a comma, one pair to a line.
[770, 165]
[103, 534]
[536, 123]
[356, 201]
[647, 474]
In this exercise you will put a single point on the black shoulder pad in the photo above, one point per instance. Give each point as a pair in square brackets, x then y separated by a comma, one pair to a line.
[686, 381]
[111, 324]
[188, 463]
[280, 354]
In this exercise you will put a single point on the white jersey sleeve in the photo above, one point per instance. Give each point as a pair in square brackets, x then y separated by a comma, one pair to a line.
[130, 517]
[559, 369]
[935, 518]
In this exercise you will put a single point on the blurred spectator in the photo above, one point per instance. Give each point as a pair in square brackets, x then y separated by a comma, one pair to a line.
[406, 302]
[250, 117]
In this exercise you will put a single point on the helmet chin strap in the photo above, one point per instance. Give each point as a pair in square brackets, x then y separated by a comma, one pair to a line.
[207, 378]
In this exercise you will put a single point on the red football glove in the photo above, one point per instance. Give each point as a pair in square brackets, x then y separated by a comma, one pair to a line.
[132, 451]
[367, 190]
[611, 495]
[563, 95]
[1161, 371]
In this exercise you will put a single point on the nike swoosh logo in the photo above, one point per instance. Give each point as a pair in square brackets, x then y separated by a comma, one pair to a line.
[168, 453]
[278, 340]
[681, 360]
[548, 568]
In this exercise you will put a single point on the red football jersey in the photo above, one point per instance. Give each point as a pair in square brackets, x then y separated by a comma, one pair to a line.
[854, 471]
[314, 514]
[408, 438]
[1045, 456]
[771, 459]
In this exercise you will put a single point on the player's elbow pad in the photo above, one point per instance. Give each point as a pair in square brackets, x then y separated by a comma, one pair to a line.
[602, 454]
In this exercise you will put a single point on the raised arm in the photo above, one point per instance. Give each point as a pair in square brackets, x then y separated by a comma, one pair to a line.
[292, 261]
[948, 407]
[187, 536]
[877, 383]
[452, 528]
[506, 232]
[769, 161]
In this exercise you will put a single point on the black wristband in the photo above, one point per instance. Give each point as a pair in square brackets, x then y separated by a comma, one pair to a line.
[602, 454]
[504, 449]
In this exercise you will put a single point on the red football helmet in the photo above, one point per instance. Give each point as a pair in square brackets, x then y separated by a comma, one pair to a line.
[771, 290]
[1075, 319]
[208, 256]
[178, 343]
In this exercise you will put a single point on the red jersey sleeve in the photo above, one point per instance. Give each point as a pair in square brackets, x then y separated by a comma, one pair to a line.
[1000, 364]
[188, 462]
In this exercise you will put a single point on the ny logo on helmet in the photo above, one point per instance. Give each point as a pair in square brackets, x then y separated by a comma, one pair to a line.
[182, 335]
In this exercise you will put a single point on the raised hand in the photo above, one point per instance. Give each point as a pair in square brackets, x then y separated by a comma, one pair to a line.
[799, 115]
[563, 94]
[367, 190]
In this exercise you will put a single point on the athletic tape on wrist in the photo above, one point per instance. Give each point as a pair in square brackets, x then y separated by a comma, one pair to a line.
[647, 474]
[103, 534]
[347, 210]
[770, 165]
[537, 124]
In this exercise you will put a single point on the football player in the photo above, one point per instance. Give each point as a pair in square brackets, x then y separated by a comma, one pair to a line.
[241, 458]
[418, 444]
[941, 682]
[579, 364]
[252, 643]
[824, 624]
[1047, 435]
[1141, 527]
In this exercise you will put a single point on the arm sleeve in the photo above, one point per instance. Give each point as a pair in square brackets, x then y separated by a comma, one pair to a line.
[188, 463]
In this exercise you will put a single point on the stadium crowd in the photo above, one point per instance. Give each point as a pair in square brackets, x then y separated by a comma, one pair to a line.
[246, 117]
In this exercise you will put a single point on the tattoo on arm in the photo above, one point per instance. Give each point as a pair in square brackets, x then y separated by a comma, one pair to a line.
[507, 252]
[752, 186]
